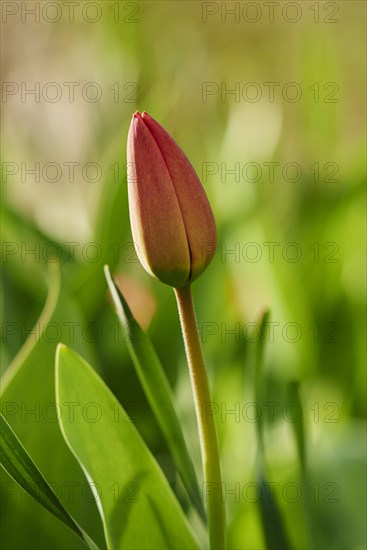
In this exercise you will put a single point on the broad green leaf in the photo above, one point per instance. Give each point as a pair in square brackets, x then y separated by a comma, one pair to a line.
[157, 390]
[136, 503]
[19, 465]
[28, 404]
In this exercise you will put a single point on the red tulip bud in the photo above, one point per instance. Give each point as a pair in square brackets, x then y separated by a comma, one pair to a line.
[171, 220]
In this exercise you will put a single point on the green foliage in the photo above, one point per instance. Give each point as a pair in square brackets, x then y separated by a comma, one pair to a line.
[19, 465]
[28, 403]
[137, 506]
[157, 390]
[322, 294]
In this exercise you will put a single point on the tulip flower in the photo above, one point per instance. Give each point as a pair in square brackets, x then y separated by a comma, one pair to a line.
[174, 232]
[172, 223]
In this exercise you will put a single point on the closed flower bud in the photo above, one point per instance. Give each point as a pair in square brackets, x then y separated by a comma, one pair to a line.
[172, 223]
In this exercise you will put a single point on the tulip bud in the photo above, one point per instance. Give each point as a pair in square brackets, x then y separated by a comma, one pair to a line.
[171, 220]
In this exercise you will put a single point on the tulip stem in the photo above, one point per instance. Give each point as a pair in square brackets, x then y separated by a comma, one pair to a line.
[204, 414]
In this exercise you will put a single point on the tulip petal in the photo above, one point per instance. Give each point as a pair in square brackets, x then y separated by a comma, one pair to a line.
[156, 221]
[193, 203]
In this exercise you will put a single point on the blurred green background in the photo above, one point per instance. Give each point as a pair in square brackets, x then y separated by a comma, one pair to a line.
[268, 102]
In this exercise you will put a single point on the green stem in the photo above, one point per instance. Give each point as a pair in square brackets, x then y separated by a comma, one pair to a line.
[204, 414]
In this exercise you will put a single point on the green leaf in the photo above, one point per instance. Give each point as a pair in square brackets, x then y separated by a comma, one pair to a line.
[272, 521]
[259, 377]
[136, 503]
[158, 392]
[298, 425]
[300, 437]
[271, 517]
[31, 341]
[19, 465]
[28, 404]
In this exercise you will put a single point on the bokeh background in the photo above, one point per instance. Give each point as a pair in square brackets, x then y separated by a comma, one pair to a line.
[268, 102]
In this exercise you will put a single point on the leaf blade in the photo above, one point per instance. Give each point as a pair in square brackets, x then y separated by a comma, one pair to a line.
[298, 424]
[158, 392]
[28, 385]
[259, 377]
[275, 532]
[137, 506]
[19, 465]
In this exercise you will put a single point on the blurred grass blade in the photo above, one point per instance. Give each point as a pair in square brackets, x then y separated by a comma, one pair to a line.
[274, 531]
[273, 527]
[46, 314]
[300, 436]
[298, 424]
[158, 392]
[19, 465]
[259, 377]
[135, 501]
